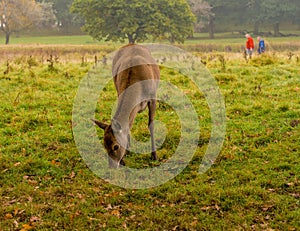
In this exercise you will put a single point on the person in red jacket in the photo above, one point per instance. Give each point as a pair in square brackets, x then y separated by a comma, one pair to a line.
[249, 45]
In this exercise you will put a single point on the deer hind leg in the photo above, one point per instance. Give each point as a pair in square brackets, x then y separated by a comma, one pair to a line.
[152, 107]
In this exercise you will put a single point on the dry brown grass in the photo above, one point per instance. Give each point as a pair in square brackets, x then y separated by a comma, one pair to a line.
[65, 53]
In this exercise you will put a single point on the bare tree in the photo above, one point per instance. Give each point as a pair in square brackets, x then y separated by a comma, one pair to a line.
[17, 15]
[48, 15]
[203, 12]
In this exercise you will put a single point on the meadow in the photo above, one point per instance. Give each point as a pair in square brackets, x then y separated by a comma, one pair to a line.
[253, 185]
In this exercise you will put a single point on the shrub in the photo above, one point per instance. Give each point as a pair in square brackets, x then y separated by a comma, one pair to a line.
[264, 60]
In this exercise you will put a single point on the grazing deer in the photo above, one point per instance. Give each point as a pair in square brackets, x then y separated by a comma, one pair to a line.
[136, 78]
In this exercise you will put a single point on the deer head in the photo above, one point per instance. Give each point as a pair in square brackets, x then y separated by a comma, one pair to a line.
[115, 142]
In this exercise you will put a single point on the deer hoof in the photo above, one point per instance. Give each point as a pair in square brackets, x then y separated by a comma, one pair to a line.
[122, 162]
[153, 156]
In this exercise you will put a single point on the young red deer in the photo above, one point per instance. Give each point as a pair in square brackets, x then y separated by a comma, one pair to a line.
[136, 78]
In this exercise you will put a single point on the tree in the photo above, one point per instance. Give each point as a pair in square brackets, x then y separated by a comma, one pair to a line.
[279, 10]
[255, 14]
[65, 19]
[203, 12]
[225, 12]
[48, 18]
[296, 20]
[17, 15]
[272, 12]
[215, 6]
[136, 20]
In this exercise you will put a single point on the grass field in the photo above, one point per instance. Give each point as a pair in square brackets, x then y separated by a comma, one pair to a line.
[253, 185]
[87, 40]
[77, 48]
[80, 39]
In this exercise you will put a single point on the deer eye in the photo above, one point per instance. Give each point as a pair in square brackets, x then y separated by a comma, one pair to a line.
[116, 147]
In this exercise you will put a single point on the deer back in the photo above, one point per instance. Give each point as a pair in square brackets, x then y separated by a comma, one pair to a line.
[132, 64]
[135, 71]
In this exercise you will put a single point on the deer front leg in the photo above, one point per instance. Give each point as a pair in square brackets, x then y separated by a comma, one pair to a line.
[122, 162]
[152, 107]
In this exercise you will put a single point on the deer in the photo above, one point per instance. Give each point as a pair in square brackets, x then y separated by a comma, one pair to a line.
[136, 78]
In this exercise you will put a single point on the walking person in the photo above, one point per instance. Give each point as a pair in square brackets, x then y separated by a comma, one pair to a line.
[249, 45]
[261, 45]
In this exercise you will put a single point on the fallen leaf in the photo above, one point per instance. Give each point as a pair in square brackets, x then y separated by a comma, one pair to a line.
[8, 216]
[55, 162]
[16, 224]
[290, 184]
[217, 207]
[175, 228]
[115, 213]
[72, 175]
[291, 229]
[194, 223]
[296, 195]
[267, 207]
[33, 182]
[26, 227]
[34, 219]
[18, 212]
[204, 208]
[80, 196]
[132, 216]
[108, 207]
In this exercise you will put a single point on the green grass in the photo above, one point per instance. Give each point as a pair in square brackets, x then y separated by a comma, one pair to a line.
[254, 184]
[221, 38]
[73, 40]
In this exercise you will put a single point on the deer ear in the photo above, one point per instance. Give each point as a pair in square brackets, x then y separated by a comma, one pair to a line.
[100, 124]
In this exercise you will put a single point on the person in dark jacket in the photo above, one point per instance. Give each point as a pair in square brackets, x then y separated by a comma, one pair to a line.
[261, 45]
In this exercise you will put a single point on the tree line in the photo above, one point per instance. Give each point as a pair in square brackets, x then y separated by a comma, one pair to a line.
[137, 20]
[252, 12]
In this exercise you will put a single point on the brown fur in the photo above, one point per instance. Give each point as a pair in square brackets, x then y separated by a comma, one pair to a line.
[132, 64]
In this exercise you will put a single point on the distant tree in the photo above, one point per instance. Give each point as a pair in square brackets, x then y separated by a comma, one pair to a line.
[203, 12]
[272, 12]
[223, 11]
[136, 20]
[216, 8]
[296, 20]
[255, 14]
[48, 18]
[17, 15]
[65, 19]
[278, 11]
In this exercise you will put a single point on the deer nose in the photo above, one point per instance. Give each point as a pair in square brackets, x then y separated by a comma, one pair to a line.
[113, 163]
